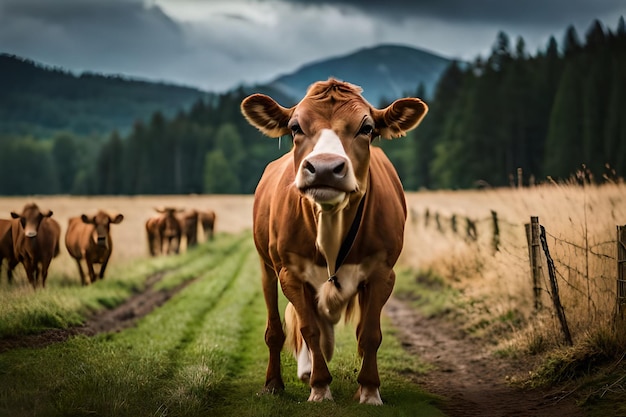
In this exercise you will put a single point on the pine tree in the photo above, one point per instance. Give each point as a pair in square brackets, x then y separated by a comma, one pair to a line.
[430, 131]
[564, 143]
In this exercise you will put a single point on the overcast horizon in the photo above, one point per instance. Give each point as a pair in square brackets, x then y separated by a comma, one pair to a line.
[216, 45]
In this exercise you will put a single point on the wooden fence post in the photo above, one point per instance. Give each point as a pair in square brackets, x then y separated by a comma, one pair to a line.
[496, 232]
[470, 229]
[534, 257]
[556, 300]
[621, 273]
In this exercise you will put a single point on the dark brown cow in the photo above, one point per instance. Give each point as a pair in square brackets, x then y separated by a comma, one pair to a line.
[89, 238]
[329, 225]
[6, 248]
[189, 226]
[164, 232]
[207, 220]
[35, 241]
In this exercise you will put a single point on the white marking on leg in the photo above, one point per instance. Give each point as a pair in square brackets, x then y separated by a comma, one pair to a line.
[304, 363]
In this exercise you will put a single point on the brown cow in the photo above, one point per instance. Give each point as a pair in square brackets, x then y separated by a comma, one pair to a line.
[189, 226]
[329, 225]
[207, 220]
[152, 232]
[36, 239]
[164, 232]
[6, 248]
[89, 238]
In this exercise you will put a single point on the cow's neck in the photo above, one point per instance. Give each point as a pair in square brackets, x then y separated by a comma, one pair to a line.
[332, 228]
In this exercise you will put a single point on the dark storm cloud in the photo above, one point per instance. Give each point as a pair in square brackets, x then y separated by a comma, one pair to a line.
[506, 12]
[88, 34]
[218, 44]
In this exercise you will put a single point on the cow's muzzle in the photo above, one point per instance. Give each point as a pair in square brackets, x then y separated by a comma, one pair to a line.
[326, 178]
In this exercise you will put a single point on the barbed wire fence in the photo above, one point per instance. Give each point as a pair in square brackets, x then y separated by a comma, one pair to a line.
[574, 278]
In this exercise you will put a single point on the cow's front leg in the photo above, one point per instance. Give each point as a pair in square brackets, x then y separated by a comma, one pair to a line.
[373, 296]
[103, 267]
[92, 272]
[31, 271]
[45, 264]
[274, 335]
[303, 298]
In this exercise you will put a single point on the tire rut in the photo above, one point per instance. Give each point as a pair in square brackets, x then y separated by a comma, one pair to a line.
[114, 320]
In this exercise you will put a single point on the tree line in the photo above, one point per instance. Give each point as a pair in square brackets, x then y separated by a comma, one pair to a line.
[547, 114]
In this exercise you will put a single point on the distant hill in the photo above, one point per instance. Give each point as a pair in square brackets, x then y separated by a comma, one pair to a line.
[384, 72]
[39, 100]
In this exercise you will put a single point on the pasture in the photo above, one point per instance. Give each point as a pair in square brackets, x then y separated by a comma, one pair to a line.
[202, 352]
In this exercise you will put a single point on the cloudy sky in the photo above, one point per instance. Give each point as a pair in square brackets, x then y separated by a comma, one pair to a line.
[219, 44]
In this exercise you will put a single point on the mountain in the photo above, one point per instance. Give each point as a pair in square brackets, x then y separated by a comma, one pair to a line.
[385, 72]
[38, 100]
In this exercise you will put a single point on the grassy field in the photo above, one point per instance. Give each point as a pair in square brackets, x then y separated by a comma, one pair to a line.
[202, 353]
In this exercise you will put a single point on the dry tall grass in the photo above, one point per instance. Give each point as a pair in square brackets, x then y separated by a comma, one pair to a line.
[580, 224]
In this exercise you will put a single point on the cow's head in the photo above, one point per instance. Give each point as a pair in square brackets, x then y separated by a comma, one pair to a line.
[101, 225]
[332, 129]
[31, 218]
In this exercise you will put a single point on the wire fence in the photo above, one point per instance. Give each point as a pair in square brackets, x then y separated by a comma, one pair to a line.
[580, 281]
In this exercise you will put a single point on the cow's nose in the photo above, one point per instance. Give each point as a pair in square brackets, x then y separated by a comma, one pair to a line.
[101, 240]
[31, 233]
[326, 167]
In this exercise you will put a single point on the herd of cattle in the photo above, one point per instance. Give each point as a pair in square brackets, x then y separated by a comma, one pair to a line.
[32, 238]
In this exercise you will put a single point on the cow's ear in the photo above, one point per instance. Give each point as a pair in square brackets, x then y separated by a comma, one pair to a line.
[401, 116]
[86, 219]
[118, 219]
[48, 214]
[15, 215]
[265, 114]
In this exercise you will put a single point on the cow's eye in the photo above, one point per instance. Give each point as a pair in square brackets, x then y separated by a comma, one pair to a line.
[366, 130]
[295, 129]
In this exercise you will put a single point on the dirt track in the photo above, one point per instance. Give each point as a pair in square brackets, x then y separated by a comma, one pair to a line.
[470, 382]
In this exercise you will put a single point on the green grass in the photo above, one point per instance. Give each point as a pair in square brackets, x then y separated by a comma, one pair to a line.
[200, 354]
[427, 292]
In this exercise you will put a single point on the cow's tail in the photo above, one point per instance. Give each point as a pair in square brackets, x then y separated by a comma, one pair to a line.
[294, 341]
[293, 337]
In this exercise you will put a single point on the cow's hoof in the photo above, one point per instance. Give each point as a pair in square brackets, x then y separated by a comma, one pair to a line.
[368, 396]
[320, 394]
[273, 387]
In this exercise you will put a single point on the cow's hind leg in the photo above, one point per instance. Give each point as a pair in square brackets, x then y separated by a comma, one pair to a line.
[297, 344]
[373, 296]
[274, 334]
